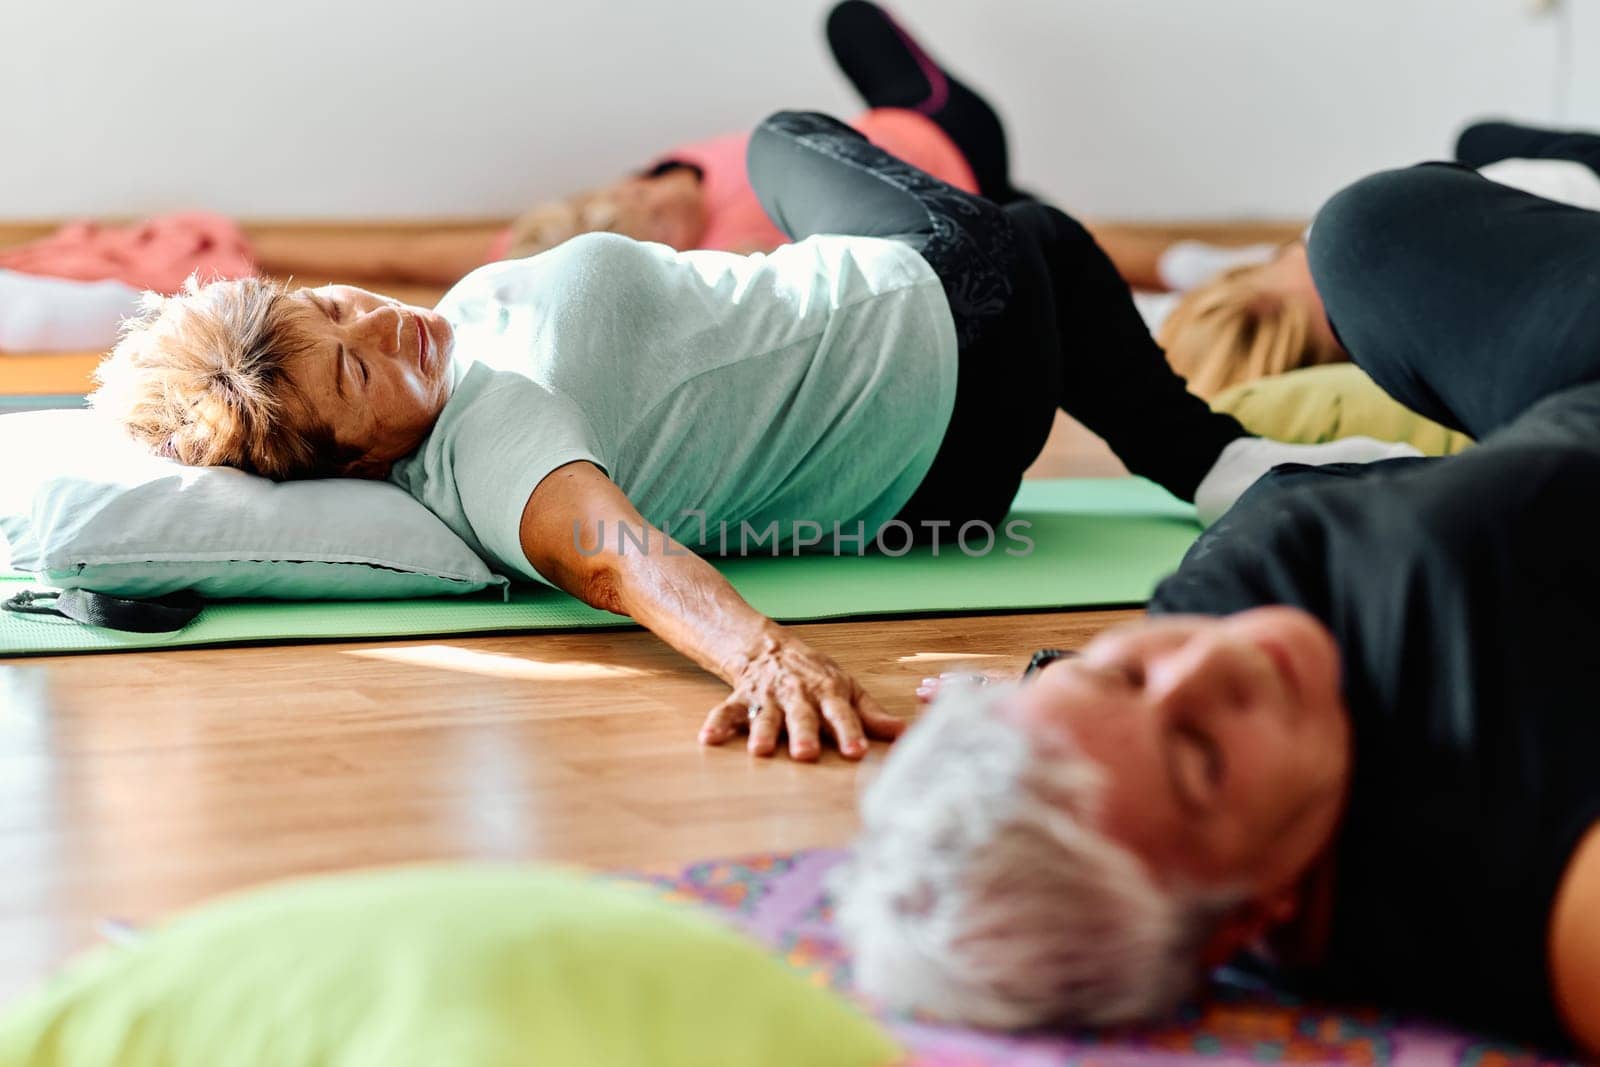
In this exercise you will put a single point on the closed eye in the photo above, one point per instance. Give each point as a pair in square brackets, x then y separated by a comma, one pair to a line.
[1195, 764]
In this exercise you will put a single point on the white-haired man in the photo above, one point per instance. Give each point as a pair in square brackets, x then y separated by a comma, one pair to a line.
[1359, 727]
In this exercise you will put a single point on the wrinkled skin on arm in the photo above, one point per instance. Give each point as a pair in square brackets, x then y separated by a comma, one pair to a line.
[780, 684]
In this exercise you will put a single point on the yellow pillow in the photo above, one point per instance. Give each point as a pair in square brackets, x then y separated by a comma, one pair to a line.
[1316, 404]
[440, 967]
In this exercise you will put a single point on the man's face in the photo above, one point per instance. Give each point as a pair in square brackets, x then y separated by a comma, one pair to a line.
[376, 371]
[1225, 741]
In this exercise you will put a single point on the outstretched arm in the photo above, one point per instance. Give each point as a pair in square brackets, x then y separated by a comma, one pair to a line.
[443, 257]
[570, 534]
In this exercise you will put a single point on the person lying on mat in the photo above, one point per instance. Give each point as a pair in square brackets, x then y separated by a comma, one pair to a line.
[698, 195]
[1357, 733]
[1254, 312]
[593, 416]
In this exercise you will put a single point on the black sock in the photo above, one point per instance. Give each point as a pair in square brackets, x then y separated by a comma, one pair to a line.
[889, 69]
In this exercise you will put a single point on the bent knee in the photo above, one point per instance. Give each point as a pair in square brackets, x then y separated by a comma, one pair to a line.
[1372, 228]
[1047, 223]
[1376, 206]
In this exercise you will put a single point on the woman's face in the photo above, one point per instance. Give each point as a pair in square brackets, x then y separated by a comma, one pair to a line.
[1225, 742]
[376, 371]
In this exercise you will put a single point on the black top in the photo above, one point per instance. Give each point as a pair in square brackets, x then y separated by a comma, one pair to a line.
[1465, 596]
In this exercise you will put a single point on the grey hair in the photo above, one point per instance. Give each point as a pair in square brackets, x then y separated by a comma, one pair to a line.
[202, 377]
[980, 891]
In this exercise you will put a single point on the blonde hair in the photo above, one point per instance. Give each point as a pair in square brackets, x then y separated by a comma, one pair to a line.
[980, 889]
[202, 378]
[1235, 329]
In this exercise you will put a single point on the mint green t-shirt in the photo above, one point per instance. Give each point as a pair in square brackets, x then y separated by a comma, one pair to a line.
[807, 387]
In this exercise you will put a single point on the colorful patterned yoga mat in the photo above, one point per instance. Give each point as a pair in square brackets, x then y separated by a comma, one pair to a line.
[780, 900]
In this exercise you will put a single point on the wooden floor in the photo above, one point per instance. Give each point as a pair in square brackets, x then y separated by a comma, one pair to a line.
[136, 784]
[133, 785]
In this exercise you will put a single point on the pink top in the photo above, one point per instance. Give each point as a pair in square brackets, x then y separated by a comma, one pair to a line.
[156, 254]
[735, 221]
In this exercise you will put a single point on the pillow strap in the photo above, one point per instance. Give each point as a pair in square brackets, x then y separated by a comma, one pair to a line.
[161, 614]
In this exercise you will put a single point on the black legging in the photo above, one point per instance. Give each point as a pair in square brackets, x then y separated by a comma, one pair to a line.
[1042, 319]
[1484, 143]
[1467, 301]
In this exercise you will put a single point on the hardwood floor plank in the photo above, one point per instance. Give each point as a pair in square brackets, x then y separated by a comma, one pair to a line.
[134, 785]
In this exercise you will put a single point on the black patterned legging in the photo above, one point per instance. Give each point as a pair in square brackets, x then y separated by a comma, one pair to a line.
[1042, 319]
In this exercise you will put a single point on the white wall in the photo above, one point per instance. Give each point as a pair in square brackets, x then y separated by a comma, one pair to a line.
[389, 108]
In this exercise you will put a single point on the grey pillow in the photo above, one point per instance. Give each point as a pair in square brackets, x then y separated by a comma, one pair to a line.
[84, 506]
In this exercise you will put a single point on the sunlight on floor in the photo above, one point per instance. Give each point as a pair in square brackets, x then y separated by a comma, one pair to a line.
[498, 665]
[949, 657]
[490, 813]
[23, 695]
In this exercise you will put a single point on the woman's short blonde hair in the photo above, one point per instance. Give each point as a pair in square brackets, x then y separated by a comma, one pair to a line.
[203, 377]
[1236, 329]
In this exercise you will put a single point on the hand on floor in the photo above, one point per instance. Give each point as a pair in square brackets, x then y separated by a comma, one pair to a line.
[790, 687]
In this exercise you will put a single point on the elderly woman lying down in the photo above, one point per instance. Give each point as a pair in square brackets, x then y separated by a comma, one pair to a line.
[594, 415]
[1359, 731]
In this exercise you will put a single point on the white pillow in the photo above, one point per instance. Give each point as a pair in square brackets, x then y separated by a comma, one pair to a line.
[84, 506]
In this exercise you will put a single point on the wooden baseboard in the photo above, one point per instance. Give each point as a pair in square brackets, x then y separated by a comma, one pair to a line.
[1217, 231]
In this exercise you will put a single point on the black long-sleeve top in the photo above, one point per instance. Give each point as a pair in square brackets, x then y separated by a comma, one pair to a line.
[1464, 594]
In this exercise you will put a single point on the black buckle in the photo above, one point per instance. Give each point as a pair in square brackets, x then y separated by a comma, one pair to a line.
[1043, 658]
[27, 603]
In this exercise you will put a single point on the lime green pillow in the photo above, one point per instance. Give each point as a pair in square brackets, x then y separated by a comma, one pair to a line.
[439, 967]
[1317, 404]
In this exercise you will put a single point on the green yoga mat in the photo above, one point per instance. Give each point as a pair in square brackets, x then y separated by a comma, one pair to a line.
[1097, 542]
